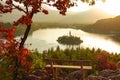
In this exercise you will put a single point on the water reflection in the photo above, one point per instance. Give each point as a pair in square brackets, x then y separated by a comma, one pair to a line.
[44, 39]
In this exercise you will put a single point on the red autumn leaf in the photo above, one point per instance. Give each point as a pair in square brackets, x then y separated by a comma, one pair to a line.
[24, 20]
[45, 11]
[9, 2]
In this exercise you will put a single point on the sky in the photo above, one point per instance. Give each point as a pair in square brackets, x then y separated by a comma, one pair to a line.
[110, 6]
[83, 13]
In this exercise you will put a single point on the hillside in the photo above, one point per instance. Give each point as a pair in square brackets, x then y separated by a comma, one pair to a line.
[105, 26]
[7, 25]
[109, 26]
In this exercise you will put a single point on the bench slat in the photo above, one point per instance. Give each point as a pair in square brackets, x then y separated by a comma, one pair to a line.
[66, 66]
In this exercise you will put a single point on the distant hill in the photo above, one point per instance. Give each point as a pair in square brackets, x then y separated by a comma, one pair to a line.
[89, 16]
[8, 25]
[86, 17]
[108, 26]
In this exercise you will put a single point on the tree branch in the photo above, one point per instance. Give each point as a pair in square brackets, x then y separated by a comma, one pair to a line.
[17, 7]
[26, 9]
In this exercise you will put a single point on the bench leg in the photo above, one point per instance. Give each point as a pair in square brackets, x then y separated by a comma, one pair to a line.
[55, 74]
[83, 74]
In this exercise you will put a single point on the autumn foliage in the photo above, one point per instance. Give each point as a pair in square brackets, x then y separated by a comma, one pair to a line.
[103, 62]
[13, 51]
[24, 20]
[17, 60]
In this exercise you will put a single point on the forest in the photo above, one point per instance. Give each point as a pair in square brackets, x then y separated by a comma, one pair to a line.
[101, 60]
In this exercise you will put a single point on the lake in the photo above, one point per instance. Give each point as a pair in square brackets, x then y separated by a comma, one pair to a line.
[43, 39]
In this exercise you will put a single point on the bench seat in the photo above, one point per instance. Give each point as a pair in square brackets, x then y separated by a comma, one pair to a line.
[69, 66]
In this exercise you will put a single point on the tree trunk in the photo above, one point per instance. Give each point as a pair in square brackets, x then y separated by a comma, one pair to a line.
[25, 34]
[25, 37]
[18, 62]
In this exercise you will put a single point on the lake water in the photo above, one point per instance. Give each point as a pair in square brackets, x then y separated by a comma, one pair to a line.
[43, 39]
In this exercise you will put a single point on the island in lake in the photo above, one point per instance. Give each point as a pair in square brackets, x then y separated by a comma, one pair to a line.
[69, 40]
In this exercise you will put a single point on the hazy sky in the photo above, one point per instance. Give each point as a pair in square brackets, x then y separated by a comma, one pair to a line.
[81, 14]
[110, 6]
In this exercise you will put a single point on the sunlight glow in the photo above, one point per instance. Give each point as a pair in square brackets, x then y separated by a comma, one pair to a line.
[110, 6]
[80, 7]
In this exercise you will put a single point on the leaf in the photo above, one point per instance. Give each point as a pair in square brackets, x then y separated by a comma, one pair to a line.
[45, 11]
[25, 19]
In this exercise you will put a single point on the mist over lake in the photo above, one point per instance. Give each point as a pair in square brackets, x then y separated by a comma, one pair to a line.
[44, 39]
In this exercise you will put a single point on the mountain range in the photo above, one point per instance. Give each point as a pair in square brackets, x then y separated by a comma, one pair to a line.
[89, 16]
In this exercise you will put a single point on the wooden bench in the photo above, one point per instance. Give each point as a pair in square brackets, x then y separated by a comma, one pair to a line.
[73, 64]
